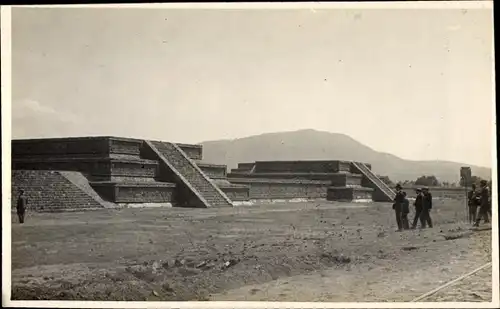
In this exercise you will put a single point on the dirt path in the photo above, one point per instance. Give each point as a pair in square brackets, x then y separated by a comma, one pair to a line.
[476, 288]
[400, 280]
[304, 251]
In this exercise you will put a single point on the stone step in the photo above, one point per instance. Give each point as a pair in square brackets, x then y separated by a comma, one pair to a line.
[382, 191]
[190, 174]
[51, 191]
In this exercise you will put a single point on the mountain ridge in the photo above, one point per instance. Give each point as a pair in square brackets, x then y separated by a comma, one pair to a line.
[310, 144]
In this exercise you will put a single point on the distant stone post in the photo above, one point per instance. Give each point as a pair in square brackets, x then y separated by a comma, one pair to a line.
[466, 178]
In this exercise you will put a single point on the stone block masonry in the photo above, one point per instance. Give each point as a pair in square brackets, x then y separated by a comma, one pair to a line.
[115, 171]
[284, 188]
[214, 171]
[296, 179]
[349, 193]
[49, 191]
[194, 152]
[157, 192]
[120, 171]
[302, 166]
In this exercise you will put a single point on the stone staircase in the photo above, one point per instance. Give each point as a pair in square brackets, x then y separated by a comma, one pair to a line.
[203, 192]
[382, 192]
[52, 191]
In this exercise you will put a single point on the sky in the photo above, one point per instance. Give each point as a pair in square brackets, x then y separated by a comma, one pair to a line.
[416, 83]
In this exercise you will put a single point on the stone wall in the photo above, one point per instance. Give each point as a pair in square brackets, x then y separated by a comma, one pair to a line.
[337, 179]
[284, 189]
[349, 193]
[236, 193]
[136, 193]
[354, 170]
[49, 191]
[302, 166]
[75, 147]
[95, 168]
[346, 180]
[245, 166]
[194, 152]
[213, 171]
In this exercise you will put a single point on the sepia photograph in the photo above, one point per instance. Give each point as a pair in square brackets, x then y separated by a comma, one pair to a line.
[267, 152]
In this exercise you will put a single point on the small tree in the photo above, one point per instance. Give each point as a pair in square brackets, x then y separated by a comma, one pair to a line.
[473, 180]
[428, 181]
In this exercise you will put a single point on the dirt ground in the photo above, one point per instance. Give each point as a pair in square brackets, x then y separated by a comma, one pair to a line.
[309, 251]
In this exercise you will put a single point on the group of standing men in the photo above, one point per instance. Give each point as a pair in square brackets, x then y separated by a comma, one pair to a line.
[479, 199]
[423, 206]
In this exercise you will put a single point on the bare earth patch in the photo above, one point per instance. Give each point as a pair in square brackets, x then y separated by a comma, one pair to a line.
[314, 251]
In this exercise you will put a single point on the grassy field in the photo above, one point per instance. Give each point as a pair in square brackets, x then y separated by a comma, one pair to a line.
[314, 251]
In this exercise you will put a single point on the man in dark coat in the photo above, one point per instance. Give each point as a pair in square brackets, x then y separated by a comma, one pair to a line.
[426, 208]
[405, 210]
[484, 206]
[473, 203]
[418, 209]
[398, 205]
[22, 203]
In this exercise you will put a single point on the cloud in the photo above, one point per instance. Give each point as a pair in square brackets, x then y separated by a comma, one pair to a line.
[29, 107]
[31, 118]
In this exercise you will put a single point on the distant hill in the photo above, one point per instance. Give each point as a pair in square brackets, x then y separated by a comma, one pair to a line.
[317, 145]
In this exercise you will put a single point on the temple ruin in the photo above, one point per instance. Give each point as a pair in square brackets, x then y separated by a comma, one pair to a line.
[107, 172]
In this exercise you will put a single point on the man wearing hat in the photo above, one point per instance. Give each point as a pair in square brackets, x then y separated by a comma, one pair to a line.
[473, 201]
[426, 208]
[22, 203]
[405, 211]
[484, 206]
[398, 205]
[418, 209]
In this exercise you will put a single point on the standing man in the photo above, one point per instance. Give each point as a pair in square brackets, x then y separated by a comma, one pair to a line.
[418, 209]
[473, 203]
[22, 203]
[405, 211]
[426, 208]
[397, 206]
[484, 205]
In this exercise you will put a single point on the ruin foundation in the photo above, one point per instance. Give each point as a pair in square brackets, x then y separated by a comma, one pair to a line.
[100, 172]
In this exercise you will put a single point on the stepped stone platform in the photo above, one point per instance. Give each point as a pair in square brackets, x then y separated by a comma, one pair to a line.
[97, 172]
[331, 179]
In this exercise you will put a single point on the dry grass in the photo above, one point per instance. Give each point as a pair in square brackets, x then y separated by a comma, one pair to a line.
[193, 254]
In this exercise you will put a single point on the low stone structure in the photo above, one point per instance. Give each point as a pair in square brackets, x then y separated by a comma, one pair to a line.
[96, 172]
[332, 179]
